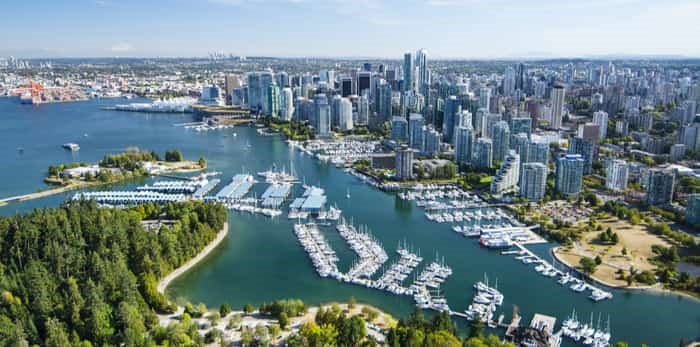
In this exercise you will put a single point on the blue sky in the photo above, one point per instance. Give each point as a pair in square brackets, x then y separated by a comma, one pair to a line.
[357, 28]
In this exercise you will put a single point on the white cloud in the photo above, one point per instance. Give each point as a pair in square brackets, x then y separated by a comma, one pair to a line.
[121, 47]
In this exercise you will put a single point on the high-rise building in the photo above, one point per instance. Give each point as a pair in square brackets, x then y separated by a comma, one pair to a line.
[345, 115]
[483, 153]
[568, 177]
[211, 96]
[677, 152]
[520, 76]
[399, 129]
[364, 82]
[322, 115]
[464, 141]
[282, 79]
[521, 125]
[231, 82]
[692, 210]
[258, 87]
[431, 141]
[521, 145]
[589, 132]
[508, 174]
[415, 131]
[452, 109]
[404, 163]
[423, 72]
[558, 94]
[345, 86]
[363, 109]
[480, 121]
[588, 151]
[533, 181]
[286, 104]
[408, 72]
[660, 187]
[539, 151]
[385, 103]
[509, 81]
[617, 174]
[501, 140]
[273, 100]
[601, 119]
[485, 98]
[491, 121]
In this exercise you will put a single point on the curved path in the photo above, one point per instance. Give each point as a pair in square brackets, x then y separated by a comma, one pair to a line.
[165, 281]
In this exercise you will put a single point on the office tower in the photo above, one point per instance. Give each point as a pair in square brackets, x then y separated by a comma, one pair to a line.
[345, 86]
[677, 152]
[367, 66]
[273, 100]
[364, 82]
[485, 98]
[231, 82]
[286, 104]
[521, 125]
[408, 72]
[258, 87]
[558, 94]
[501, 140]
[464, 141]
[423, 73]
[568, 177]
[601, 119]
[363, 109]
[452, 108]
[480, 121]
[385, 107]
[415, 131]
[520, 76]
[538, 152]
[483, 153]
[692, 210]
[589, 132]
[282, 79]
[660, 187]
[399, 129]
[404, 163]
[587, 150]
[533, 181]
[431, 141]
[617, 174]
[211, 96]
[508, 174]
[345, 115]
[335, 110]
[509, 81]
[521, 145]
[322, 115]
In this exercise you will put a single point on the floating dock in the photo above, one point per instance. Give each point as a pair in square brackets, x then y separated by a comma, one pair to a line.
[240, 186]
[121, 198]
[275, 194]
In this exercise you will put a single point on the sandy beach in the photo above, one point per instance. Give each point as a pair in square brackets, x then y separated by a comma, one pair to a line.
[165, 281]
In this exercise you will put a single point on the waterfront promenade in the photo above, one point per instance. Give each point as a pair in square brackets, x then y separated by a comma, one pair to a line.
[165, 281]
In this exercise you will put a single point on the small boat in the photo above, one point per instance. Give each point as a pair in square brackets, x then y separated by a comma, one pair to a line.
[71, 146]
[347, 193]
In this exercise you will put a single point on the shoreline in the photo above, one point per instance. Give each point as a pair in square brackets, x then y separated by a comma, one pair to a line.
[653, 289]
[165, 281]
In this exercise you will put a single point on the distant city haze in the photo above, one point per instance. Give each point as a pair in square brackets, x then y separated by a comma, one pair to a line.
[351, 28]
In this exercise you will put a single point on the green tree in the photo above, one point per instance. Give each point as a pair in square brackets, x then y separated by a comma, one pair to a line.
[283, 320]
[588, 265]
[476, 328]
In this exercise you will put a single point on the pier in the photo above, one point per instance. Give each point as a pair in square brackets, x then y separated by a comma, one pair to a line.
[240, 186]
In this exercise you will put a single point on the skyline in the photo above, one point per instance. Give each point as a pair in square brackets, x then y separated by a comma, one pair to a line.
[461, 29]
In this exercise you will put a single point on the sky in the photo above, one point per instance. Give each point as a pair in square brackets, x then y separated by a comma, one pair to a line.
[349, 28]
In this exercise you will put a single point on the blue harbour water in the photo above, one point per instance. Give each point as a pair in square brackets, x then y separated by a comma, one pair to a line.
[261, 260]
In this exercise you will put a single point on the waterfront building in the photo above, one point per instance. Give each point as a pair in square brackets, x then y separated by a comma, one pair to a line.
[399, 129]
[660, 187]
[588, 151]
[452, 109]
[601, 119]
[363, 108]
[558, 95]
[211, 96]
[483, 153]
[507, 176]
[258, 87]
[464, 141]
[617, 174]
[286, 104]
[568, 177]
[501, 140]
[692, 210]
[431, 141]
[415, 131]
[231, 83]
[533, 181]
[404, 163]
[273, 100]
[322, 115]
[345, 115]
